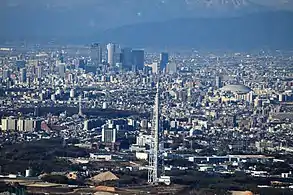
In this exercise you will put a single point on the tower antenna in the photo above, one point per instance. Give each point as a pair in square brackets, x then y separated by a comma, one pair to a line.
[154, 149]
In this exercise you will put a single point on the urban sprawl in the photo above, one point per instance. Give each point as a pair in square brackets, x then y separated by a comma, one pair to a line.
[107, 119]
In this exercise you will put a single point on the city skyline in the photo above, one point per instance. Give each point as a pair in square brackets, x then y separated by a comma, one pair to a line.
[128, 97]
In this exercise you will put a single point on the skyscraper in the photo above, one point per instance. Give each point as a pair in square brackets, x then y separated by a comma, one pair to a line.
[171, 68]
[164, 59]
[61, 67]
[9, 124]
[126, 58]
[28, 124]
[111, 48]
[138, 59]
[39, 72]
[155, 67]
[22, 76]
[109, 133]
[218, 82]
[117, 55]
[96, 53]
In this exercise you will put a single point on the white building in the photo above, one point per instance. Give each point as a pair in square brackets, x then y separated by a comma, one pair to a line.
[111, 48]
[171, 68]
[155, 67]
[21, 124]
[143, 140]
[109, 133]
[142, 155]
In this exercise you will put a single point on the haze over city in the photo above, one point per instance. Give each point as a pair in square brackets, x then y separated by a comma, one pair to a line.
[79, 21]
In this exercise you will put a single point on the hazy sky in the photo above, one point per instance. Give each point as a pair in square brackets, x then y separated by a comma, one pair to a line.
[44, 16]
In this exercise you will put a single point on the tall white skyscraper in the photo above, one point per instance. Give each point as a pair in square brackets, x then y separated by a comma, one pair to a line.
[111, 48]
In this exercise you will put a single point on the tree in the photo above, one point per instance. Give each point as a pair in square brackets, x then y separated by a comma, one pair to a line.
[59, 179]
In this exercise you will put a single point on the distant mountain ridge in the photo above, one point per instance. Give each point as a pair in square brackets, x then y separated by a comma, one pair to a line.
[149, 23]
[60, 18]
[262, 30]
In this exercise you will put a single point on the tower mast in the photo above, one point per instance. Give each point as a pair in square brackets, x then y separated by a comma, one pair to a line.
[154, 149]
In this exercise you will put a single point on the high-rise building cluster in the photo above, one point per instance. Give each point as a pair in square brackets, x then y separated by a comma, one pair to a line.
[135, 110]
[20, 124]
[122, 58]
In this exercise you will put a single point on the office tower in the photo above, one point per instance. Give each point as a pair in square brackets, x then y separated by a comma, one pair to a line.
[138, 59]
[21, 124]
[61, 67]
[28, 124]
[171, 68]
[22, 76]
[96, 53]
[39, 72]
[164, 59]
[218, 82]
[126, 58]
[155, 68]
[111, 48]
[9, 124]
[109, 133]
[117, 55]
